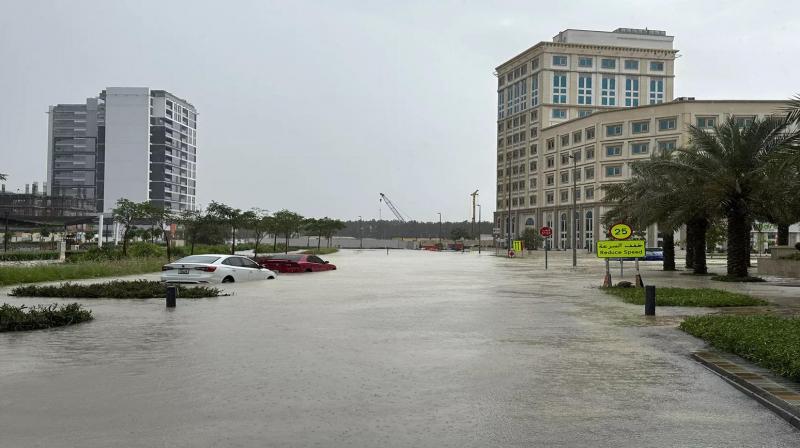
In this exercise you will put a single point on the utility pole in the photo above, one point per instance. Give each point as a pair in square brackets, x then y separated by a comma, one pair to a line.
[474, 195]
[360, 232]
[574, 211]
[6, 238]
[479, 229]
[508, 187]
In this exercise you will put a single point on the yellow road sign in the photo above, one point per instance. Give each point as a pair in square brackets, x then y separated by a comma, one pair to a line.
[517, 245]
[620, 249]
[621, 231]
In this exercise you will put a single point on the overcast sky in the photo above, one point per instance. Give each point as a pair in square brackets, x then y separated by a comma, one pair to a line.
[319, 106]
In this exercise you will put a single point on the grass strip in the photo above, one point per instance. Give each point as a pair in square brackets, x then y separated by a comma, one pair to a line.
[23, 318]
[118, 289]
[320, 251]
[771, 342]
[14, 275]
[686, 297]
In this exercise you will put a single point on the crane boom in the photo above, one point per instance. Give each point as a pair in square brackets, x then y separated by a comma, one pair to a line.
[393, 208]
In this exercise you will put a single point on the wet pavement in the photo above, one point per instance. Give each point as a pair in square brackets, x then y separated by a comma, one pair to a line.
[411, 349]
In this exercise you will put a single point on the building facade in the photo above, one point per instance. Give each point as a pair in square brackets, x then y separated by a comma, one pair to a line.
[573, 114]
[129, 142]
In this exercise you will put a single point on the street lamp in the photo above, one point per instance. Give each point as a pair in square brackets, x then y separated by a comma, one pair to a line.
[479, 229]
[440, 227]
[360, 232]
[5, 233]
[573, 212]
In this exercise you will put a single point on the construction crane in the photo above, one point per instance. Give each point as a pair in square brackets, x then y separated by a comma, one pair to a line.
[394, 209]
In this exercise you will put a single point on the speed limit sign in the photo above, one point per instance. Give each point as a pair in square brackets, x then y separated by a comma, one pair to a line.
[620, 231]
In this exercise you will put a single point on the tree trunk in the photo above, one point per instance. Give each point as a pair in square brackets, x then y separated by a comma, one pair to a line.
[738, 240]
[169, 249]
[255, 247]
[689, 246]
[699, 228]
[319, 241]
[275, 242]
[192, 249]
[783, 235]
[669, 250]
[125, 243]
[233, 240]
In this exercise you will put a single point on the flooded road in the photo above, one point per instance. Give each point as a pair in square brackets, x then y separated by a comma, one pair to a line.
[411, 349]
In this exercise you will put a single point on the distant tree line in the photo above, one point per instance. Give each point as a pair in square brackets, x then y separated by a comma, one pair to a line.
[412, 229]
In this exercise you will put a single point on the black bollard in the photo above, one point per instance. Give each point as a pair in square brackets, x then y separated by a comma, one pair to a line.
[650, 300]
[172, 294]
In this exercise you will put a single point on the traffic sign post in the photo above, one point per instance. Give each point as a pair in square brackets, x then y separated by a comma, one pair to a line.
[620, 249]
[546, 232]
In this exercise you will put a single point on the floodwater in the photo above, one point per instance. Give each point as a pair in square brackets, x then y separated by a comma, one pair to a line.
[408, 349]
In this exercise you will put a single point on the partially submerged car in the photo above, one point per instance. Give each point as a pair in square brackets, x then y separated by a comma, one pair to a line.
[214, 268]
[295, 263]
[653, 254]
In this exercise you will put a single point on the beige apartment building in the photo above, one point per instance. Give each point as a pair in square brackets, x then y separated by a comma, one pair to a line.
[581, 109]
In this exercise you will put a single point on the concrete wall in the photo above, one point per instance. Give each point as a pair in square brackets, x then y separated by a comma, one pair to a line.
[127, 161]
[778, 267]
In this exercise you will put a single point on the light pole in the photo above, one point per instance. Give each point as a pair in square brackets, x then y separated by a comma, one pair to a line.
[440, 227]
[5, 233]
[360, 232]
[479, 229]
[573, 212]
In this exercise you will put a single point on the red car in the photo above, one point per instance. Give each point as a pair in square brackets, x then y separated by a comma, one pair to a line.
[295, 263]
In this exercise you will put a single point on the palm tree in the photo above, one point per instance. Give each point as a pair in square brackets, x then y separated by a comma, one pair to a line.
[735, 163]
[659, 192]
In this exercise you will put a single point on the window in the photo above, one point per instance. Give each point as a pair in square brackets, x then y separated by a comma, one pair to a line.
[613, 130]
[565, 140]
[631, 92]
[535, 64]
[656, 90]
[534, 132]
[576, 137]
[564, 159]
[608, 91]
[666, 124]
[590, 133]
[577, 175]
[550, 180]
[590, 153]
[559, 113]
[564, 177]
[560, 88]
[614, 150]
[666, 145]
[551, 162]
[533, 200]
[533, 166]
[631, 64]
[584, 113]
[706, 122]
[560, 61]
[656, 66]
[588, 193]
[577, 155]
[549, 197]
[585, 62]
[534, 90]
[534, 149]
[564, 195]
[589, 173]
[585, 89]
[500, 127]
[613, 171]
[551, 144]
[608, 64]
[640, 148]
[534, 116]
[533, 182]
[577, 194]
[640, 127]
[499, 173]
[744, 121]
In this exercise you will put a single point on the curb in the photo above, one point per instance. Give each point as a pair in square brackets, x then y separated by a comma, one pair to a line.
[785, 410]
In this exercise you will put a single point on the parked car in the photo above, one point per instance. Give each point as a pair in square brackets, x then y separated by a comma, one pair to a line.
[295, 263]
[214, 268]
[653, 254]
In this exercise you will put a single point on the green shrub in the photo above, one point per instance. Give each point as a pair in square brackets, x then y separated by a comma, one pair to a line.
[28, 256]
[118, 289]
[22, 318]
[686, 297]
[770, 341]
[13, 275]
[146, 250]
[105, 253]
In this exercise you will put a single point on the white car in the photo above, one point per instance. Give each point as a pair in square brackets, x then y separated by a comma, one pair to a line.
[214, 268]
